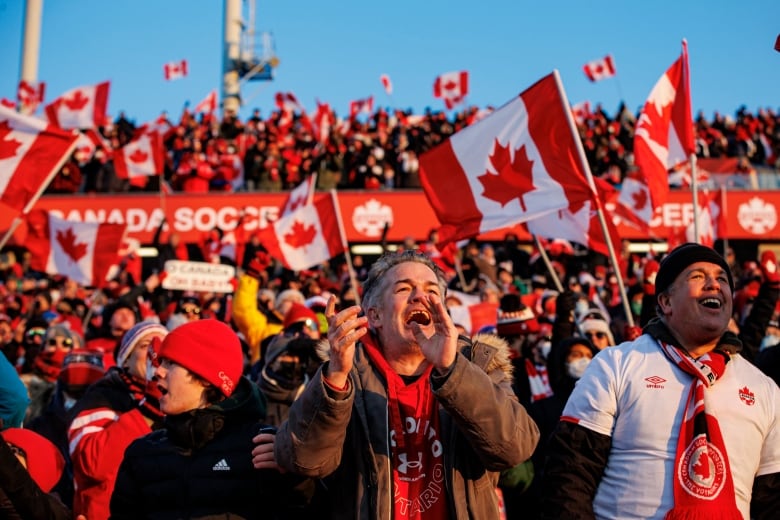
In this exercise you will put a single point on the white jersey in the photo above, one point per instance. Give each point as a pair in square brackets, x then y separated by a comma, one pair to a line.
[635, 395]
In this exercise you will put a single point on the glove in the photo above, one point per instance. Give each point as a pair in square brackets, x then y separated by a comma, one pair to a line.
[648, 277]
[769, 267]
[631, 333]
[258, 265]
[150, 403]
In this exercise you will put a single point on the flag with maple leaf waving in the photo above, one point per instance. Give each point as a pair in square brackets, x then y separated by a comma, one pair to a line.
[81, 107]
[208, 105]
[29, 96]
[82, 251]
[31, 154]
[515, 165]
[141, 158]
[451, 87]
[599, 69]
[299, 196]
[175, 70]
[664, 138]
[361, 106]
[306, 237]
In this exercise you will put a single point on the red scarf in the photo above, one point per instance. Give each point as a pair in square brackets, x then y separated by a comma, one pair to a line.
[703, 486]
[538, 380]
[415, 442]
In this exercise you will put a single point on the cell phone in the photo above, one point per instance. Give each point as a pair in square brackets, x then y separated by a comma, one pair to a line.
[267, 429]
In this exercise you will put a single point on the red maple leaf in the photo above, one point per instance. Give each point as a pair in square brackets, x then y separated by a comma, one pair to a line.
[297, 202]
[640, 199]
[7, 148]
[656, 123]
[300, 235]
[138, 156]
[702, 466]
[514, 177]
[67, 241]
[77, 102]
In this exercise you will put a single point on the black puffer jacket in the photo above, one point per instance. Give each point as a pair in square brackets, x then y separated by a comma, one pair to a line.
[200, 466]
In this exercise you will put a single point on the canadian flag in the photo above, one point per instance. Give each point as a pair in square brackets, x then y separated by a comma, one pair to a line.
[306, 237]
[663, 138]
[287, 102]
[597, 70]
[141, 158]
[452, 87]
[301, 195]
[81, 107]
[517, 164]
[711, 222]
[474, 316]
[31, 154]
[88, 143]
[580, 224]
[581, 111]
[387, 84]
[361, 106]
[7, 103]
[322, 122]
[175, 70]
[30, 96]
[208, 105]
[82, 251]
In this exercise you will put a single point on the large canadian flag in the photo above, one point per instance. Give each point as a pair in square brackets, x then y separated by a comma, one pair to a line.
[31, 154]
[663, 138]
[82, 251]
[306, 237]
[452, 87]
[517, 164]
[301, 195]
[81, 107]
[175, 70]
[141, 158]
[602, 68]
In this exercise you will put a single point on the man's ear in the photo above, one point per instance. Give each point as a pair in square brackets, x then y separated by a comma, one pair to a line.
[663, 302]
[372, 314]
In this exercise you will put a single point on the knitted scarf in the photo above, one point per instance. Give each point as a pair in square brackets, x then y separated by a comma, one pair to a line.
[703, 485]
[538, 380]
[415, 446]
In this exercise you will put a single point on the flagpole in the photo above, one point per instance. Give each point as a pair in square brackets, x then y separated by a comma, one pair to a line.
[548, 264]
[345, 245]
[723, 211]
[15, 224]
[310, 197]
[594, 196]
[695, 190]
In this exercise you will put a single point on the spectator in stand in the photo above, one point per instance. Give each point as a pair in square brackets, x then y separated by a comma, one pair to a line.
[593, 326]
[13, 396]
[117, 318]
[678, 404]
[117, 409]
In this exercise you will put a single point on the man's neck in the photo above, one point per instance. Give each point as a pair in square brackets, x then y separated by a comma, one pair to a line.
[405, 362]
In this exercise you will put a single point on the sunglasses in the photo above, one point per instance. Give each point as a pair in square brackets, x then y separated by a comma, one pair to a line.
[599, 335]
[35, 332]
[297, 328]
[66, 342]
[190, 310]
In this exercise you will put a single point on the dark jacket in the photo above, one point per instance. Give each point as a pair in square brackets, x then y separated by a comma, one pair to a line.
[200, 466]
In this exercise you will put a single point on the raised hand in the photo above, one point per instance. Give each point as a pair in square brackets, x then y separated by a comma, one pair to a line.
[441, 347]
[344, 330]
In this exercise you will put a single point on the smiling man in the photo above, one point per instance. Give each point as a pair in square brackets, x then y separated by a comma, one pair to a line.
[406, 419]
[675, 424]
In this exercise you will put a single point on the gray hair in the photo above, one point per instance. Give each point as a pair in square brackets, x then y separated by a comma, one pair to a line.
[374, 284]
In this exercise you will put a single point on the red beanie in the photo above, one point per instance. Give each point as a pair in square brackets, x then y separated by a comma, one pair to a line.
[45, 463]
[298, 312]
[209, 349]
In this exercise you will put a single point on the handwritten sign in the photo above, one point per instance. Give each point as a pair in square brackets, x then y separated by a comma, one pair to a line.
[198, 276]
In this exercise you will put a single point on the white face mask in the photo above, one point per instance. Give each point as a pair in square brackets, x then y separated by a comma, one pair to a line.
[577, 367]
[544, 348]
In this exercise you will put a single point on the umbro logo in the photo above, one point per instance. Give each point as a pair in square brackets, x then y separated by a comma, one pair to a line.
[655, 382]
[222, 465]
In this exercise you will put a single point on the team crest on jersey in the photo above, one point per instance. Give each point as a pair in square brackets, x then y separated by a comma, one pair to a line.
[747, 397]
[702, 470]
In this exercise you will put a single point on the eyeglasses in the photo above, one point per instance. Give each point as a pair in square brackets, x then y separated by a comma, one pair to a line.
[598, 335]
[66, 342]
[35, 332]
[189, 309]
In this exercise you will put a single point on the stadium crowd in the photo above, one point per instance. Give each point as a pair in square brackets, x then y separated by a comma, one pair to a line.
[379, 151]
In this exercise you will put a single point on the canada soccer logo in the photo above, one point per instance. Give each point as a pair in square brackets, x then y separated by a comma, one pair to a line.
[747, 397]
[701, 470]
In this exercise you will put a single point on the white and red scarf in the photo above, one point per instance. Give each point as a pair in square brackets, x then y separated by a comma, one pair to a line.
[415, 442]
[703, 485]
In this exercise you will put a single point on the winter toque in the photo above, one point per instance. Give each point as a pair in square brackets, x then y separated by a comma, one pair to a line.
[133, 336]
[45, 463]
[681, 257]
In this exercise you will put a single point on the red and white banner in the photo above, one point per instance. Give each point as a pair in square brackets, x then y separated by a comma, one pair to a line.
[208, 105]
[305, 238]
[82, 251]
[287, 102]
[474, 316]
[663, 138]
[142, 157]
[322, 122]
[386, 84]
[581, 111]
[361, 106]
[31, 154]
[452, 87]
[517, 164]
[81, 107]
[603, 68]
[30, 96]
[175, 70]
[301, 195]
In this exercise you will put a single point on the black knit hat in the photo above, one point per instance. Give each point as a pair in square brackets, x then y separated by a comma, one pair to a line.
[681, 257]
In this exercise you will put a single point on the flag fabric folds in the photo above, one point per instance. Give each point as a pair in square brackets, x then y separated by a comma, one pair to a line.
[663, 138]
[141, 158]
[287, 102]
[452, 88]
[81, 107]
[31, 153]
[30, 96]
[306, 237]
[175, 70]
[208, 105]
[603, 68]
[361, 106]
[299, 196]
[517, 164]
[82, 251]
[387, 84]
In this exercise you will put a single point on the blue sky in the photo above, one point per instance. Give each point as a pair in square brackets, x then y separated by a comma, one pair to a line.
[335, 51]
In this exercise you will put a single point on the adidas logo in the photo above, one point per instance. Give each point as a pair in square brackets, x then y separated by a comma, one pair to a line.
[222, 465]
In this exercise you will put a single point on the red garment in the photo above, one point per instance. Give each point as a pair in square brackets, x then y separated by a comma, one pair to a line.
[106, 346]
